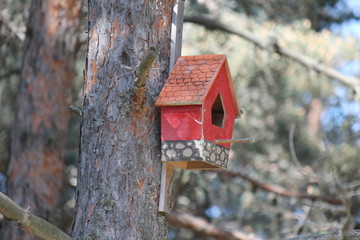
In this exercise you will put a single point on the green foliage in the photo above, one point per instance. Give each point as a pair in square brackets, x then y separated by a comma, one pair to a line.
[277, 94]
[321, 13]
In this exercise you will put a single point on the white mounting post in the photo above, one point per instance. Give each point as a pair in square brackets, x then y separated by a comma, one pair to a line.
[175, 52]
[167, 172]
[176, 32]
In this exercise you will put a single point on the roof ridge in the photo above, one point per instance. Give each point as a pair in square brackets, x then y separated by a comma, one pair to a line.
[190, 80]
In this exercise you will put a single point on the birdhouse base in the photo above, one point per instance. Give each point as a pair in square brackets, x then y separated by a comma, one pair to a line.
[195, 154]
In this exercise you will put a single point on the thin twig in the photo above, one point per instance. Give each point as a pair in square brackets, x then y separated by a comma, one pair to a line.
[303, 223]
[354, 193]
[76, 110]
[294, 157]
[352, 185]
[292, 149]
[279, 190]
[353, 235]
[344, 193]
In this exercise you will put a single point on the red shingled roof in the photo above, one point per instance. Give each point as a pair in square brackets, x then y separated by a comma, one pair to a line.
[190, 80]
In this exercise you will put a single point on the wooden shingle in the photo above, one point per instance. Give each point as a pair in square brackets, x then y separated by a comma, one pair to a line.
[190, 80]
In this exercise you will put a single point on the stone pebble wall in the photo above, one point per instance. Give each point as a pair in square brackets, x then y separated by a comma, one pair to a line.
[195, 150]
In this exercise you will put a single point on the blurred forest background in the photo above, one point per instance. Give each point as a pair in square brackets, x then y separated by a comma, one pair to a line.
[302, 174]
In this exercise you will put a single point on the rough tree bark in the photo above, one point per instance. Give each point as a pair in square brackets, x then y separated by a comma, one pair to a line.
[38, 135]
[119, 164]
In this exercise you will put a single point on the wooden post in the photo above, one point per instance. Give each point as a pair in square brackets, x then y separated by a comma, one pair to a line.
[175, 52]
[165, 188]
[176, 32]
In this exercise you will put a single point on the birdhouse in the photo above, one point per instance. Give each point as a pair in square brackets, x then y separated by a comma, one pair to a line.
[198, 110]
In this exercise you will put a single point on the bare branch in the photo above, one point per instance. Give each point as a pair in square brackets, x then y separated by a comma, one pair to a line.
[352, 185]
[353, 235]
[294, 157]
[202, 227]
[9, 72]
[143, 70]
[281, 190]
[269, 44]
[76, 110]
[28, 221]
[292, 149]
[344, 194]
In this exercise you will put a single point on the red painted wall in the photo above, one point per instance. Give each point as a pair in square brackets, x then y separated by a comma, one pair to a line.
[181, 122]
[185, 122]
[220, 85]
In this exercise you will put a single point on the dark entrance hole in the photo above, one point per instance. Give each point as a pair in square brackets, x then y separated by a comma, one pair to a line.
[217, 112]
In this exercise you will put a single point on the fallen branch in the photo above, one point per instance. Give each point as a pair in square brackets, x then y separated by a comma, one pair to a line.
[271, 44]
[202, 227]
[281, 190]
[29, 222]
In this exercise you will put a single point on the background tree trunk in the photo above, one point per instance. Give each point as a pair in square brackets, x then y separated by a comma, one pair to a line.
[39, 132]
[316, 109]
[119, 165]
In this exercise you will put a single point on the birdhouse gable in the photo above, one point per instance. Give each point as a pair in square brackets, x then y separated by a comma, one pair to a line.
[219, 109]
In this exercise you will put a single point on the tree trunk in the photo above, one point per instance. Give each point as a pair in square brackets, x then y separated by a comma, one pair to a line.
[119, 164]
[314, 117]
[39, 131]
